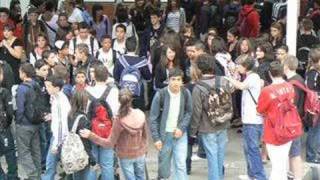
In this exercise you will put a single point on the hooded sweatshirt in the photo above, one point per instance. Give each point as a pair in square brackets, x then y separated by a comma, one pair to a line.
[248, 22]
[128, 136]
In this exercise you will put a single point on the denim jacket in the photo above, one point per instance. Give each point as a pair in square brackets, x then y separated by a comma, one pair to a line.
[159, 115]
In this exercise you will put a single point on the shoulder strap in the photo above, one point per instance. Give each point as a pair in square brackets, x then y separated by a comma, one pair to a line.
[161, 96]
[76, 122]
[97, 54]
[92, 44]
[299, 85]
[114, 56]
[252, 97]
[74, 44]
[123, 61]
[51, 28]
[106, 92]
[140, 64]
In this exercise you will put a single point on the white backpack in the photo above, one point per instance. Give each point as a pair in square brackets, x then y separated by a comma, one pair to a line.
[73, 155]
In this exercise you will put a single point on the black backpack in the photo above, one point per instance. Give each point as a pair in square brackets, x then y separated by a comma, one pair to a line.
[4, 121]
[35, 108]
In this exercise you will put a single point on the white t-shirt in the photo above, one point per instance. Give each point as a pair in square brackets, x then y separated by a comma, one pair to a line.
[112, 99]
[248, 107]
[107, 59]
[76, 16]
[174, 110]
[87, 42]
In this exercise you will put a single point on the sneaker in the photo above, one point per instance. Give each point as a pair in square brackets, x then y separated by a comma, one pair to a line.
[244, 177]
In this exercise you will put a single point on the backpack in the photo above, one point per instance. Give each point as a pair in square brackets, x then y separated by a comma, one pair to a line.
[311, 104]
[73, 154]
[217, 102]
[131, 77]
[100, 114]
[215, 17]
[4, 121]
[34, 107]
[279, 10]
[287, 124]
[86, 17]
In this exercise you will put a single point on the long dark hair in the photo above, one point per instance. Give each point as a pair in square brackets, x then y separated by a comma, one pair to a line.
[79, 102]
[96, 7]
[164, 59]
[125, 99]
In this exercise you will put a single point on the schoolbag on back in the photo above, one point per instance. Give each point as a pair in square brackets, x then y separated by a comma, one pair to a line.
[287, 124]
[303, 57]
[217, 102]
[34, 108]
[73, 154]
[100, 114]
[131, 76]
[231, 17]
[311, 104]
[4, 121]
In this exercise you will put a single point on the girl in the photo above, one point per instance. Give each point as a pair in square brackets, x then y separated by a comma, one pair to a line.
[245, 47]
[42, 45]
[277, 35]
[168, 61]
[101, 22]
[79, 103]
[129, 137]
[11, 50]
[232, 37]
[263, 59]
[175, 17]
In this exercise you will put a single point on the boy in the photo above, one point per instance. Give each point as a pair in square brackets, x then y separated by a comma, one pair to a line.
[83, 59]
[169, 118]
[81, 81]
[121, 71]
[106, 54]
[60, 108]
[119, 43]
[27, 131]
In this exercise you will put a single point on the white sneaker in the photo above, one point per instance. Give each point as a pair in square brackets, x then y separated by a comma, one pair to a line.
[244, 177]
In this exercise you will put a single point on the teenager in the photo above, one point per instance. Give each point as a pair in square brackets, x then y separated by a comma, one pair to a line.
[168, 125]
[60, 108]
[129, 137]
[106, 54]
[42, 45]
[119, 43]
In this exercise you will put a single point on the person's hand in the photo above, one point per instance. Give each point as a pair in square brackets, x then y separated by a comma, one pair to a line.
[85, 133]
[177, 133]
[54, 150]
[158, 145]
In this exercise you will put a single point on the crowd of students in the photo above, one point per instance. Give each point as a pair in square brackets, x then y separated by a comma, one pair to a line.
[199, 67]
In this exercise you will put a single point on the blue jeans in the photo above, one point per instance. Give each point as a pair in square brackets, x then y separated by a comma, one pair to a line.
[251, 139]
[45, 136]
[133, 169]
[215, 145]
[313, 144]
[51, 164]
[105, 158]
[173, 150]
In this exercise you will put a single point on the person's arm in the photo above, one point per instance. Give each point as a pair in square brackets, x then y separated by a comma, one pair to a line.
[145, 72]
[160, 77]
[113, 138]
[20, 100]
[263, 102]
[197, 111]
[155, 117]
[237, 84]
[183, 125]
[113, 101]
[8, 104]
[15, 51]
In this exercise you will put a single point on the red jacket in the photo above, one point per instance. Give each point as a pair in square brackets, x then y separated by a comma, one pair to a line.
[248, 22]
[266, 106]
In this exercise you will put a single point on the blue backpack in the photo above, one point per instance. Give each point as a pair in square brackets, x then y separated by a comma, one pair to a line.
[131, 77]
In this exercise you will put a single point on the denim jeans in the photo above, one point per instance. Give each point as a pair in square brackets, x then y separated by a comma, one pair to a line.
[173, 150]
[105, 158]
[51, 164]
[215, 145]
[313, 144]
[251, 139]
[7, 149]
[133, 169]
[45, 136]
